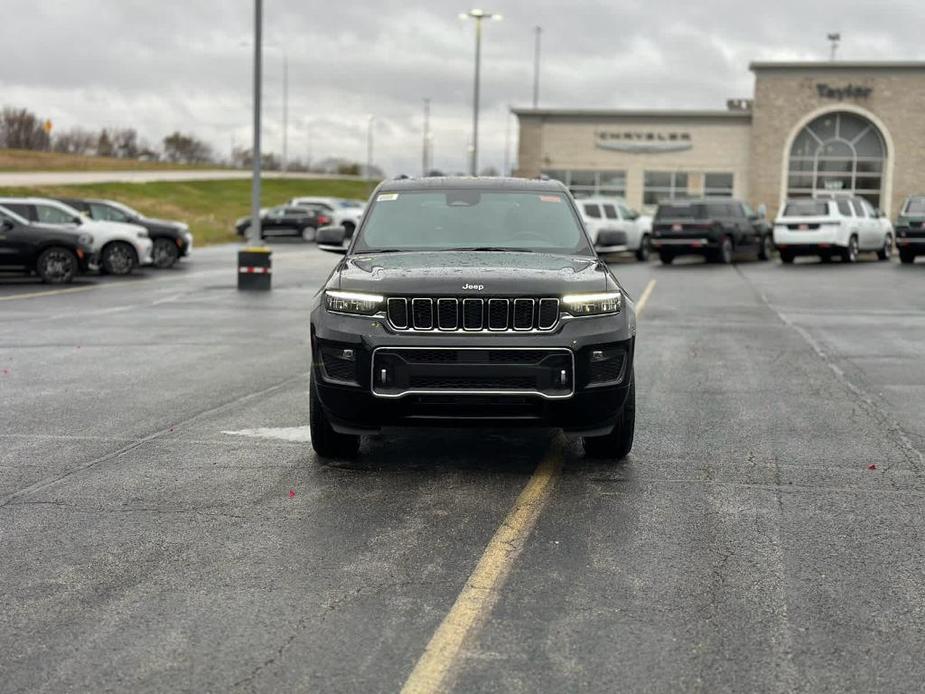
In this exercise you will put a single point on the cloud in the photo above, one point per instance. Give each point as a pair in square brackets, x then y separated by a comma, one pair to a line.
[186, 65]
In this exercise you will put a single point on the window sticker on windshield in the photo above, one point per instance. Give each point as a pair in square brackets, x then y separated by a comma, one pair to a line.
[387, 197]
[550, 198]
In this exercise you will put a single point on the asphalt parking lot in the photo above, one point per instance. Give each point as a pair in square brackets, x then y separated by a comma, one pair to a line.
[165, 527]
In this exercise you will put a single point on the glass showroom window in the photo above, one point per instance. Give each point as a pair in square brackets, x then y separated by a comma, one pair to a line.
[718, 185]
[837, 152]
[584, 184]
[663, 185]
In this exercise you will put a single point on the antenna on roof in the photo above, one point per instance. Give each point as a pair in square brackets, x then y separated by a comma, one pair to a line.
[834, 38]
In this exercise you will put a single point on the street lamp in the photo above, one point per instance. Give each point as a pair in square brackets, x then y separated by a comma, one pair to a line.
[536, 65]
[369, 146]
[285, 158]
[478, 16]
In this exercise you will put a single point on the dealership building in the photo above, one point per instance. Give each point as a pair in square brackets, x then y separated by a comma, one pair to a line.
[810, 128]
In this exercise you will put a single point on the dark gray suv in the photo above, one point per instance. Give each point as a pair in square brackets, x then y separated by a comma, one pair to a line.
[471, 302]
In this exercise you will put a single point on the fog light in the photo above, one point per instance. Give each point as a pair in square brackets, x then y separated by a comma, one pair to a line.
[598, 355]
[348, 355]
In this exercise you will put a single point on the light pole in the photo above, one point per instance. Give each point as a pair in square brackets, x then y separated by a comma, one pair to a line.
[369, 146]
[536, 66]
[478, 16]
[834, 38]
[285, 162]
[425, 145]
[258, 87]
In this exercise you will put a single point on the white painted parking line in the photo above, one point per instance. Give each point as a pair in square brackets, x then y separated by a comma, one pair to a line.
[293, 434]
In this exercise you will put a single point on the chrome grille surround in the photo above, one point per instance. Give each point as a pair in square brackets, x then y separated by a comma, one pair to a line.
[473, 314]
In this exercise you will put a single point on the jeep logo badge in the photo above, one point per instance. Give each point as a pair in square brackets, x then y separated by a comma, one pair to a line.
[477, 287]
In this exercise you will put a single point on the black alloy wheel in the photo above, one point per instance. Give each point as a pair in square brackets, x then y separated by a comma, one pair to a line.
[166, 253]
[57, 266]
[118, 258]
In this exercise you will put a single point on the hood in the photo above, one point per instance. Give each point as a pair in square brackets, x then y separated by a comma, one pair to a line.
[109, 228]
[431, 273]
[163, 224]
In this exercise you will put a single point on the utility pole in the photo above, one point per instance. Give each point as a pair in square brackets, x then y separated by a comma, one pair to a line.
[425, 145]
[834, 38]
[536, 66]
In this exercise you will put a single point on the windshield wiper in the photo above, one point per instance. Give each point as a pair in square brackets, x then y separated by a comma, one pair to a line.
[500, 249]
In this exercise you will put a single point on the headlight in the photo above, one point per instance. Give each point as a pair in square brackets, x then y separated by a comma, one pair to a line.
[85, 239]
[593, 304]
[356, 303]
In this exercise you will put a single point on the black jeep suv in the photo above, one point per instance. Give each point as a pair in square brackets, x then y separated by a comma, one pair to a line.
[471, 301]
[910, 229]
[718, 229]
[55, 254]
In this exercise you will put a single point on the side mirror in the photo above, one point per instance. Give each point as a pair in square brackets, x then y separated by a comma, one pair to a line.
[331, 239]
[878, 212]
[77, 220]
[6, 224]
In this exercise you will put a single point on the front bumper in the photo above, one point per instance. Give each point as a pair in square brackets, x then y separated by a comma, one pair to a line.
[589, 402]
[910, 239]
[145, 250]
[186, 243]
[88, 260]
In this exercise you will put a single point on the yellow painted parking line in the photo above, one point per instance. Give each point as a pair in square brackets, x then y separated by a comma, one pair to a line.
[484, 585]
[434, 669]
[52, 292]
[644, 297]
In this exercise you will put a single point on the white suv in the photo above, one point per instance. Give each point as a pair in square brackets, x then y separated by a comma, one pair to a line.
[343, 212]
[840, 227]
[602, 216]
[120, 246]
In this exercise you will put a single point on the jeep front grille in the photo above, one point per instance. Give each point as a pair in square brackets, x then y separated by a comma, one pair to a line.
[450, 314]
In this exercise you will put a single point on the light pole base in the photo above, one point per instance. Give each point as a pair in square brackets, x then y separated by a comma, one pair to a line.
[255, 269]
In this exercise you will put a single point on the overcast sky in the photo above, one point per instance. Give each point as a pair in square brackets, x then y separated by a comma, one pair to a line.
[185, 65]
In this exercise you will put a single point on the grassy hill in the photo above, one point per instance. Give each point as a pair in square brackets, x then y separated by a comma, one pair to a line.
[28, 160]
[209, 207]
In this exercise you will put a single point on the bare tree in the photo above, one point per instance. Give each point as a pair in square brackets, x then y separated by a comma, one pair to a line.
[75, 141]
[125, 143]
[186, 149]
[21, 129]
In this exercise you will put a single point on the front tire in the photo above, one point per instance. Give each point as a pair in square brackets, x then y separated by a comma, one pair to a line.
[642, 253]
[886, 252]
[308, 233]
[326, 442]
[786, 257]
[118, 258]
[166, 253]
[906, 257]
[616, 445]
[349, 227]
[57, 266]
[666, 258]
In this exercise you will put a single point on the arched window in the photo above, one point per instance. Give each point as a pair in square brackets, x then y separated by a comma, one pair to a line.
[838, 152]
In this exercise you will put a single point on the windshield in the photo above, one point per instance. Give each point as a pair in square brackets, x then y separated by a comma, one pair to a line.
[806, 208]
[124, 208]
[915, 206]
[350, 203]
[681, 211]
[12, 216]
[471, 220]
